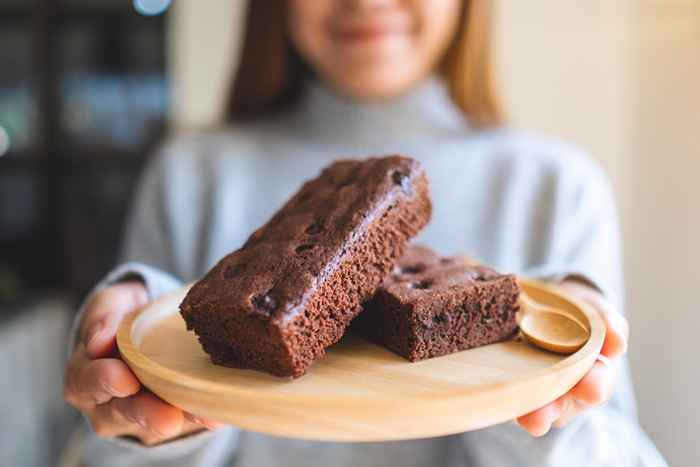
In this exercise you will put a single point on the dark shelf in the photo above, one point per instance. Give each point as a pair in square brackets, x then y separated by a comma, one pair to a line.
[24, 158]
[115, 159]
[68, 186]
[74, 11]
[91, 11]
[84, 158]
[16, 12]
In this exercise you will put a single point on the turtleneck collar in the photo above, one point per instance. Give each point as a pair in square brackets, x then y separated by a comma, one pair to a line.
[424, 111]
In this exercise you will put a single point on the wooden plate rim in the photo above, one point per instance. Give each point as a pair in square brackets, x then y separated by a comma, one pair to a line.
[139, 361]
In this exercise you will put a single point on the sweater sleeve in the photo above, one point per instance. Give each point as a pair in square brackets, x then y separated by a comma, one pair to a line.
[148, 256]
[584, 234]
[583, 241]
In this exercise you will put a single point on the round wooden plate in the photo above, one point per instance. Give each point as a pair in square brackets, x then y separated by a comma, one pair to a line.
[358, 391]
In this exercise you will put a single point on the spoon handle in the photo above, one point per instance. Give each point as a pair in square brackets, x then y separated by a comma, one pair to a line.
[529, 305]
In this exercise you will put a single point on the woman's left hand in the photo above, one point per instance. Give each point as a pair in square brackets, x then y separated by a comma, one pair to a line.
[597, 386]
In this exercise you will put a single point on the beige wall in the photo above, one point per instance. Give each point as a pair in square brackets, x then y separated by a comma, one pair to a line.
[565, 71]
[663, 223]
[620, 78]
[203, 46]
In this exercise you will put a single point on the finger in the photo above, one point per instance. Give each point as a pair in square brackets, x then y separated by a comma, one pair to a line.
[572, 410]
[152, 414]
[617, 327]
[590, 391]
[119, 418]
[596, 387]
[150, 438]
[203, 422]
[107, 421]
[106, 311]
[70, 385]
[616, 335]
[539, 422]
[91, 382]
[111, 420]
[106, 378]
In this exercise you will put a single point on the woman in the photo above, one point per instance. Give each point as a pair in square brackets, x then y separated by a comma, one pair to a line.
[331, 78]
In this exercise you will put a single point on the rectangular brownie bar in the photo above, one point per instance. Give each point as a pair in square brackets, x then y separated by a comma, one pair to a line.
[432, 306]
[295, 285]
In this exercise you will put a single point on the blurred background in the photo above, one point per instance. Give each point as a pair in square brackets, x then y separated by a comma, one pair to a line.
[88, 88]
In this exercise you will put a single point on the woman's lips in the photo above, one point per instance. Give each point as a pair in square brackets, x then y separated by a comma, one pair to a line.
[363, 33]
[368, 34]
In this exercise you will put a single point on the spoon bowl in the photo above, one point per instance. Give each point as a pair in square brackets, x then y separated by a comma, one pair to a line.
[551, 329]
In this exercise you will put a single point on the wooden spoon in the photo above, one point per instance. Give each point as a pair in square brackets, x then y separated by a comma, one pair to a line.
[550, 328]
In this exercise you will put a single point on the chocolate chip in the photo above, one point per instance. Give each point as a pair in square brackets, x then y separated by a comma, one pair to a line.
[305, 196]
[232, 271]
[388, 211]
[412, 269]
[315, 228]
[349, 180]
[265, 303]
[445, 260]
[304, 247]
[422, 285]
[402, 179]
[440, 318]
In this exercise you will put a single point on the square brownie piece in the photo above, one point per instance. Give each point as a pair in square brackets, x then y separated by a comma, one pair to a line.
[293, 288]
[431, 306]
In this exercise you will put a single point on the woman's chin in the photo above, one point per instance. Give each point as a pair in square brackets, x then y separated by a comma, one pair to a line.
[375, 85]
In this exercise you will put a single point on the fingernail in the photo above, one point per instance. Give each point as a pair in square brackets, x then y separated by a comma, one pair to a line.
[141, 422]
[620, 324]
[581, 403]
[112, 391]
[605, 361]
[212, 425]
[565, 406]
[94, 331]
[197, 420]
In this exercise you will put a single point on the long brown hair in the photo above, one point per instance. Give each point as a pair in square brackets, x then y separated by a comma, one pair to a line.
[271, 75]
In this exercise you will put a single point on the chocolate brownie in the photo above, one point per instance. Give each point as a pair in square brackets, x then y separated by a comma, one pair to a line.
[298, 281]
[431, 306]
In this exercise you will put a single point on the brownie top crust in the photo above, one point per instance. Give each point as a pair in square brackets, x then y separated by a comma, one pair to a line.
[283, 262]
[421, 272]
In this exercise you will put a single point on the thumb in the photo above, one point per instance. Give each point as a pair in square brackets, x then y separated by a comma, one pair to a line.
[105, 313]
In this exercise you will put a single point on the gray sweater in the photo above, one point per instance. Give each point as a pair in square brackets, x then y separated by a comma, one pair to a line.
[521, 203]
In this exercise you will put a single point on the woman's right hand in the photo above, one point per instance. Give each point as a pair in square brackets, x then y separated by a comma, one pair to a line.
[99, 384]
